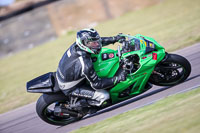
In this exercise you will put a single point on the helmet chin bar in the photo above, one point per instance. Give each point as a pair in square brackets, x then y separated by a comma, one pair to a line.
[96, 50]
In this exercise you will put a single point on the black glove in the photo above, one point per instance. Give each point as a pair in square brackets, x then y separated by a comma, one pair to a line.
[121, 77]
[119, 37]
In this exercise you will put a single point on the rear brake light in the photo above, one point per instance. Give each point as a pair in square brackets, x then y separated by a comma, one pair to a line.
[154, 56]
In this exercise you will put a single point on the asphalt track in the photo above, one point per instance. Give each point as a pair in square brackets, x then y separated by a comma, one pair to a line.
[25, 119]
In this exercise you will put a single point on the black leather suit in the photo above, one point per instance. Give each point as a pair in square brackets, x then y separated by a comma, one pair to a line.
[76, 66]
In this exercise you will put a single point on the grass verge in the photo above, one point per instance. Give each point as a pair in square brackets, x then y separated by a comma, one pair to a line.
[173, 23]
[175, 114]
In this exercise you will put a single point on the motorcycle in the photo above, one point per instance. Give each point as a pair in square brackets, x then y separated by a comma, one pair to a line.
[145, 61]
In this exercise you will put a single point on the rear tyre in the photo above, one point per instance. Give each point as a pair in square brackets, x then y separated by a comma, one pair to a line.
[174, 70]
[46, 112]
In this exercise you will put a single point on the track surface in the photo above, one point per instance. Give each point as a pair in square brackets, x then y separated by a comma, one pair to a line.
[25, 119]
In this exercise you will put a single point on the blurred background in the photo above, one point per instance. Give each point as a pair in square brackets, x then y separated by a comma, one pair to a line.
[34, 34]
[26, 23]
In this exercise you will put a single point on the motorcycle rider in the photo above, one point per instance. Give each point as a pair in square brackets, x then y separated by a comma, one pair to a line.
[75, 67]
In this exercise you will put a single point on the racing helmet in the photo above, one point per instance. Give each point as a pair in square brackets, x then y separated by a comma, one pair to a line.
[89, 41]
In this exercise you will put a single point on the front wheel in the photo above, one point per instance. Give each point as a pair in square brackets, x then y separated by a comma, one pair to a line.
[174, 70]
[45, 108]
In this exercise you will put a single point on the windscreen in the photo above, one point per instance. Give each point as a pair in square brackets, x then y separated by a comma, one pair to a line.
[135, 44]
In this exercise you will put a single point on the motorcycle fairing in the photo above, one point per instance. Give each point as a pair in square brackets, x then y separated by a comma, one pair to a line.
[106, 66]
[136, 81]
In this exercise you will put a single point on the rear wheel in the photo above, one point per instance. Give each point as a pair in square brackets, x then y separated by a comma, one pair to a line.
[175, 69]
[45, 109]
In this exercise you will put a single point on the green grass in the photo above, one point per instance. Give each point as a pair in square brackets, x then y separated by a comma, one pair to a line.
[175, 114]
[173, 23]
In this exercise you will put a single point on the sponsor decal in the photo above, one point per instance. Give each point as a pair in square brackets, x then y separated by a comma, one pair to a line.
[111, 55]
[154, 56]
[106, 56]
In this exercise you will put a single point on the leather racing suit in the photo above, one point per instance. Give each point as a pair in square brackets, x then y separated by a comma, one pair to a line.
[75, 67]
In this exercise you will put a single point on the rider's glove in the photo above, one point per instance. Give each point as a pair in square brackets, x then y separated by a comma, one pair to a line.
[119, 37]
[121, 77]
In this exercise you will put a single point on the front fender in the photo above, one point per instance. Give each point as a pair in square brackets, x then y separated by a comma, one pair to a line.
[165, 58]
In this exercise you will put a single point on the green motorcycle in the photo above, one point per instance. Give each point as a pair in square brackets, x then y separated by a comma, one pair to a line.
[145, 62]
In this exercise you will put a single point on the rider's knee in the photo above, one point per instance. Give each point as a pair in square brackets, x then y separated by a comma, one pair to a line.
[101, 96]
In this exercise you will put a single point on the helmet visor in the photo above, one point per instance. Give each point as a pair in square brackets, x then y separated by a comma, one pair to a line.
[94, 44]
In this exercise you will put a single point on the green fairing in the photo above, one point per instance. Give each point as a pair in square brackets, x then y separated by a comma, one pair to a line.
[136, 81]
[106, 68]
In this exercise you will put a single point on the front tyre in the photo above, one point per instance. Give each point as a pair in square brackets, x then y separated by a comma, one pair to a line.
[174, 70]
[45, 109]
